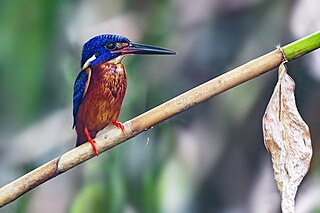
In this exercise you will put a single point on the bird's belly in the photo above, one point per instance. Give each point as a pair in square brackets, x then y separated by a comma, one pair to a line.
[99, 113]
[102, 104]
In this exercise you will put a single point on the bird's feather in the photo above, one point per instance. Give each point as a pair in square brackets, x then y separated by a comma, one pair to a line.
[81, 86]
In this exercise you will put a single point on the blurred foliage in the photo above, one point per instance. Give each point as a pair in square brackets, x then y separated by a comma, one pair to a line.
[26, 38]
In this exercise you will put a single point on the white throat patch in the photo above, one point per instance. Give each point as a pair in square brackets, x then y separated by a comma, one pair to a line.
[117, 60]
[85, 66]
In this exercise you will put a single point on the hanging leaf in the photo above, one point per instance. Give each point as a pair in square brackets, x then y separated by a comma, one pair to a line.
[287, 138]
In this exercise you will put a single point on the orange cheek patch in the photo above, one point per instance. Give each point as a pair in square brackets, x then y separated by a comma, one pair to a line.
[122, 45]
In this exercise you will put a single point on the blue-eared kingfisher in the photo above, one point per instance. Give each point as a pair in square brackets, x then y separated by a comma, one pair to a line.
[101, 85]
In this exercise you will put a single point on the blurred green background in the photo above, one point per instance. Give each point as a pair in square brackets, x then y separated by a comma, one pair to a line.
[210, 158]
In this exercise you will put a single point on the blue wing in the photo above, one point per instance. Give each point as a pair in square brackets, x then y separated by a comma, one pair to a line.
[79, 90]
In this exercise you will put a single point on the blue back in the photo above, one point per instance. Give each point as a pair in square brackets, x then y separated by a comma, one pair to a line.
[78, 92]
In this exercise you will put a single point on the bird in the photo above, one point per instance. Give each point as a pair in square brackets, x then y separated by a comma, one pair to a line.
[100, 86]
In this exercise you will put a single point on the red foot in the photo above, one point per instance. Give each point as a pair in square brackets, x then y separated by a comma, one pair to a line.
[91, 141]
[119, 125]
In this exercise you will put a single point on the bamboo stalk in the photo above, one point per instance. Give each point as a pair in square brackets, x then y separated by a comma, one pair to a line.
[114, 136]
[302, 46]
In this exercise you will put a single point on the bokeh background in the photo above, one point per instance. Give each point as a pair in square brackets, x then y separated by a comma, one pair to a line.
[210, 158]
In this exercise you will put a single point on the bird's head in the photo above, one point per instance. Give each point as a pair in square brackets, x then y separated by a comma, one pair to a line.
[107, 47]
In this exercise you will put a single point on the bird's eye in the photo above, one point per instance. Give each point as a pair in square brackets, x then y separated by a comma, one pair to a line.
[111, 46]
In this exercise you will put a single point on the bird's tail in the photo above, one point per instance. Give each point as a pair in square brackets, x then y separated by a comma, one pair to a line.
[78, 142]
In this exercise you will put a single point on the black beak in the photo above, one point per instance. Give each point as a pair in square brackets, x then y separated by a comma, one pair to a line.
[134, 48]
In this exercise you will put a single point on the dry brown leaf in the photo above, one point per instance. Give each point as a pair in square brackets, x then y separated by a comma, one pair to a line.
[287, 138]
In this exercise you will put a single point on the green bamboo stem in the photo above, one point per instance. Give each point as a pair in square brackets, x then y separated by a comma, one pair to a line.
[135, 126]
[302, 46]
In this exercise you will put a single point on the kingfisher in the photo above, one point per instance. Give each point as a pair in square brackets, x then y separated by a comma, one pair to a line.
[100, 86]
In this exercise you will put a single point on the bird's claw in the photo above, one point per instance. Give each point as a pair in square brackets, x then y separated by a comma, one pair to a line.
[91, 141]
[119, 125]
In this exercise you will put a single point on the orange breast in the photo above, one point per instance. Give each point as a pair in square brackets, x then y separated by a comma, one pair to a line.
[102, 102]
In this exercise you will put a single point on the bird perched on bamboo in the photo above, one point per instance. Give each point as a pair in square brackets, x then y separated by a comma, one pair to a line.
[100, 87]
